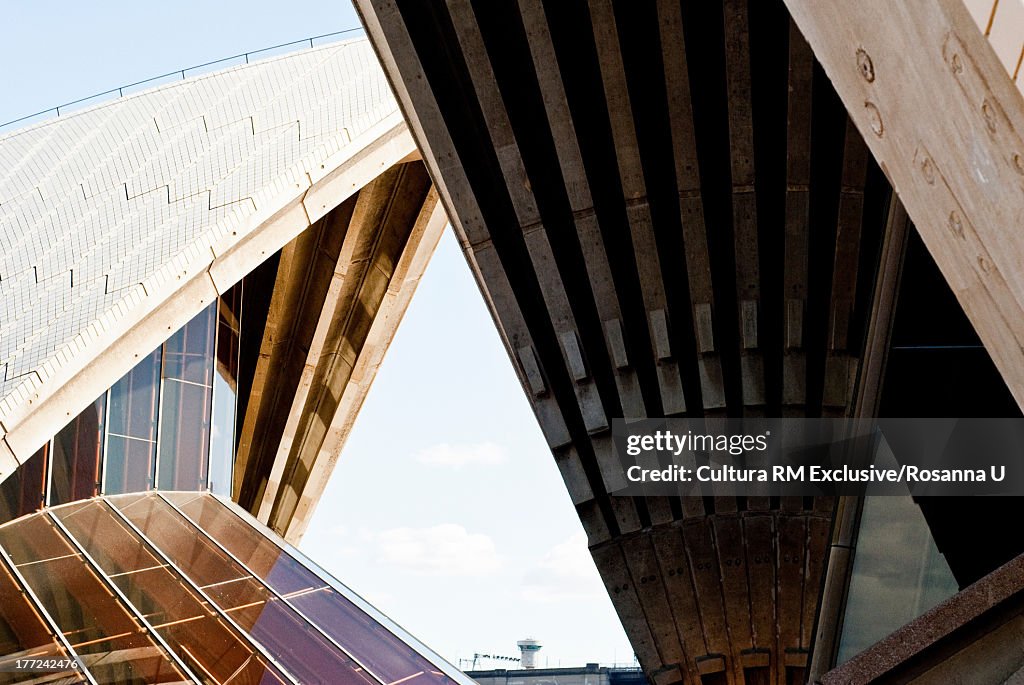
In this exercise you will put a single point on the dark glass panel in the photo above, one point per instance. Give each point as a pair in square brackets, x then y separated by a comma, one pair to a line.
[131, 428]
[206, 565]
[292, 640]
[23, 491]
[264, 558]
[229, 313]
[24, 634]
[718, 678]
[758, 675]
[76, 456]
[203, 639]
[111, 643]
[377, 648]
[184, 436]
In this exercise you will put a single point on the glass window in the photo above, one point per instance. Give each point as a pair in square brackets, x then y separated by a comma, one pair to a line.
[188, 354]
[185, 405]
[200, 636]
[23, 491]
[377, 648]
[898, 573]
[24, 634]
[222, 437]
[271, 622]
[75, 459]
[131, 428]
[112, 644]
[225, 393]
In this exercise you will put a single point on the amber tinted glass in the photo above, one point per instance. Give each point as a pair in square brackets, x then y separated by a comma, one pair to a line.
[24, 489]
[102, 631]
[140, 592]
[24, 634]
[207, 643]
[76, 456]
[298, 646]
[378, 649]
[131, 428]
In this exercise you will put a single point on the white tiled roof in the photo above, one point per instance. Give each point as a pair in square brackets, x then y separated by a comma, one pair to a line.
[95, 204]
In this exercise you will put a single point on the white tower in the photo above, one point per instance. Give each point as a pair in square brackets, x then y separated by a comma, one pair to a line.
[528, 648]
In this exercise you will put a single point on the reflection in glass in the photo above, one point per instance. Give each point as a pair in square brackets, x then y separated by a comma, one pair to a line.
[102, 631]
[270, 621]
[205, 641]
[24, 634]
[898, 573]
[23, 491]
[76, 456]
[169, 423]
[378, 649]
[185, 405]
[131, 428]
[142, 592]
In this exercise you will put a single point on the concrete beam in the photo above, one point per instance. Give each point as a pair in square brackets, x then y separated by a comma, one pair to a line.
[330, 296]
[408, 271]
[960, 174]
[391, 40]
[638, 211]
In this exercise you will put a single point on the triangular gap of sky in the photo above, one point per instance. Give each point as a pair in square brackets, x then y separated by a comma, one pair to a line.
[446, 510]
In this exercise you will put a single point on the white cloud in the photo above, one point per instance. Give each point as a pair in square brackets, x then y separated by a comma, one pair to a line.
[566, 572]
[457, 456]
[444, 550]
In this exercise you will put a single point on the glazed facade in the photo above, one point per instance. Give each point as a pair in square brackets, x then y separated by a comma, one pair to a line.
[169, 423]
[185, 587]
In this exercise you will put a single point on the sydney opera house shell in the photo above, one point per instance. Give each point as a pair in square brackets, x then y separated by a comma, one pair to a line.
[732, 208]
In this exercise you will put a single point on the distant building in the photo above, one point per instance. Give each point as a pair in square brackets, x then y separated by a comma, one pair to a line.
[591, 674]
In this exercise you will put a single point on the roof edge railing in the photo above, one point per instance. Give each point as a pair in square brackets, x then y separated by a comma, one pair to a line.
[181, 75]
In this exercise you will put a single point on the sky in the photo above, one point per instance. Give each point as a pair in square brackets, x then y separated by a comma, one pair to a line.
[446, 509]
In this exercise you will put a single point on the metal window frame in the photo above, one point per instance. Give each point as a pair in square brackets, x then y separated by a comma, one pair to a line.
[155, 471]
[274, 592]
[48, 465]
[397, 630]
[105, 441]
[257, 646]
[119, 594]
[55, 630]
[102, 443]
[213, 393]
[107, 433]
[155, 481]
